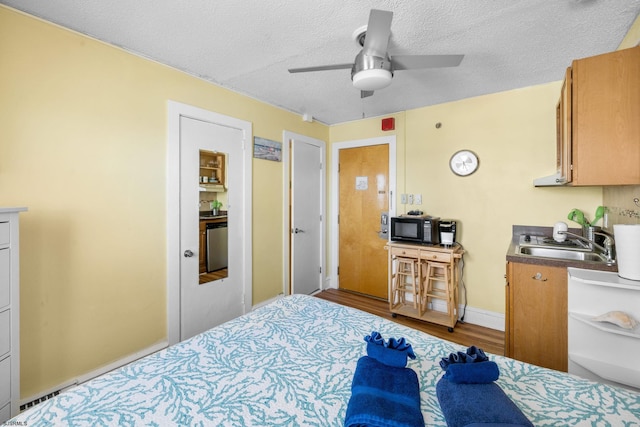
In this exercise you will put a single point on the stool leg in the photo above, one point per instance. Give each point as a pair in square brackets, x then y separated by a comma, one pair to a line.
[400, 281]
[420, 287]
[396, 282]
[414, 288]
[447, 288]
[429, 287]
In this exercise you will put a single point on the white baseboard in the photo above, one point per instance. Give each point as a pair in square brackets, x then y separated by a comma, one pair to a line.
[485, 318]
[476, 316]
[121, 362]
[102, 370]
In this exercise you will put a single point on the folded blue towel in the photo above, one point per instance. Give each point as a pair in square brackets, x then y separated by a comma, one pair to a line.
[472, 355]
[472, 373]
[469, 404]
[383, 395]
[392, 352]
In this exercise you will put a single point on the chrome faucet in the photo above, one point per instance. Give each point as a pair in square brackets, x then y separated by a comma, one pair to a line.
[607, 249]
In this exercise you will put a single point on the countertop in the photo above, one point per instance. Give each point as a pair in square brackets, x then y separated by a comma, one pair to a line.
[512, 256]
[456, 247]
[207, 216]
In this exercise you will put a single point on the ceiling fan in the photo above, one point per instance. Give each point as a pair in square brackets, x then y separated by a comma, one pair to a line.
[373, 67]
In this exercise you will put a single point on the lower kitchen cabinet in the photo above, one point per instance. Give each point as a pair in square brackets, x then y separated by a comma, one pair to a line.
[536, 315]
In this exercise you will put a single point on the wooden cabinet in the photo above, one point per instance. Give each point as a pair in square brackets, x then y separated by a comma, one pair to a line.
[212, 171]
[536, 315]
[203, 247]
[9, 313]
[563, 128]
[423, 282]
[598, 126]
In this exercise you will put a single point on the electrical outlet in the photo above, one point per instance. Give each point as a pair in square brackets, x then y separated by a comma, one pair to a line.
[403, 199]
[418, 199]
[410, 199]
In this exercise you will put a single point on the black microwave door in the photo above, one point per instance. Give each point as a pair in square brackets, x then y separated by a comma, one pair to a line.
[406, 229]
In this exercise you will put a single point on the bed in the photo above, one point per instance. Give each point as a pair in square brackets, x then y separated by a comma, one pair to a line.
[291, 363]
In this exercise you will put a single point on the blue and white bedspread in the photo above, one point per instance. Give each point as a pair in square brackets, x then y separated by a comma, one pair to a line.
[291, 363]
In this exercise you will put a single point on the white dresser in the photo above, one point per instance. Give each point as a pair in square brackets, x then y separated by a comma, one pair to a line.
[9, 313]
[600, 351]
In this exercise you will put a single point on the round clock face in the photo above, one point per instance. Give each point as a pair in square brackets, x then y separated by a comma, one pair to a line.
[464, 163]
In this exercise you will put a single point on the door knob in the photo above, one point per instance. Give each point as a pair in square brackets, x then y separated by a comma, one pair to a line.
[188, 253]
[297, 230]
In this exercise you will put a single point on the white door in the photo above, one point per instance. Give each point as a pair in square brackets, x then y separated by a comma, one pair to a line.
[306, 217]
[203, 306]
[182, 228]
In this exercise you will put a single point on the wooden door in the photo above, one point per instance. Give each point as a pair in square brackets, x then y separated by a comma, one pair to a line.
[363, 198]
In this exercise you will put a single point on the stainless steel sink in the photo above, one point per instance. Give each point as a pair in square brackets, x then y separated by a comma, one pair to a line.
[568, 254]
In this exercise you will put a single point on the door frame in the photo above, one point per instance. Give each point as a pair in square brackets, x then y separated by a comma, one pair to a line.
[175, 111]
[335, 195]
[286, 246]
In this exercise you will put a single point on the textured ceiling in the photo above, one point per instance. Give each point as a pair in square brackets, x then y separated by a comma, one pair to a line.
[247, 46]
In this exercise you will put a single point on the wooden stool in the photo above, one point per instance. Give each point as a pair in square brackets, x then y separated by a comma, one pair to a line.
[406, 279]
[436, 272]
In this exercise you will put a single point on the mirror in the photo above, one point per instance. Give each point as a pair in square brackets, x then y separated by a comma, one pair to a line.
[214, 253]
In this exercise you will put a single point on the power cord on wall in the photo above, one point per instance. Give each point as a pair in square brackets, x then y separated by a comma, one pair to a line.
[464, 287]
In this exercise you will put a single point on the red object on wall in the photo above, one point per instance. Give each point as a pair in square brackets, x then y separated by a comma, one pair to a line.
[389, 124]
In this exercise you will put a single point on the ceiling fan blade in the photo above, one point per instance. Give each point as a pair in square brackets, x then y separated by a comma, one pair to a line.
[378, 32]
[366, 93]
[321, 68]
[410, 62]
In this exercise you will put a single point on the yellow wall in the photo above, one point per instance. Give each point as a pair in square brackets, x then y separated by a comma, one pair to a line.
[633, 36]
[83, 145]
[513, 134]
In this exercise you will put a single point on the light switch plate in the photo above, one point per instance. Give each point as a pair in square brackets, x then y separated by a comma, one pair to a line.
[403, 199]
[418, 199]
[410, 199]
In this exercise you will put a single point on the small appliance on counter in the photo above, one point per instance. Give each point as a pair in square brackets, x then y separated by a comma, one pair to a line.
[431, 230]
[447, 232]
[627, 237]
[415, 228]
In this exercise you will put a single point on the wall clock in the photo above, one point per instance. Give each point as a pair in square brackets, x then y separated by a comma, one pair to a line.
[464, 162]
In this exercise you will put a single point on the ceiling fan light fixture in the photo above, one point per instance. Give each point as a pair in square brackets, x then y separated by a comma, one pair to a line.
[373, 79]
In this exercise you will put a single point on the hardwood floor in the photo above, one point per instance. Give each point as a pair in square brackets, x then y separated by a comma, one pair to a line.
[490, 340]
[214, 275]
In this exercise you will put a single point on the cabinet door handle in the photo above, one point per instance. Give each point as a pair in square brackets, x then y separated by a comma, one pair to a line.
[538, 276]
[188, 253]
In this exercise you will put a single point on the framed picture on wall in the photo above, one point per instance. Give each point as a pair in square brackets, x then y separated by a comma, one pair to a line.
[267, 149]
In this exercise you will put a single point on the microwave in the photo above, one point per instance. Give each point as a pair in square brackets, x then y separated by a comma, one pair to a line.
[415, 229]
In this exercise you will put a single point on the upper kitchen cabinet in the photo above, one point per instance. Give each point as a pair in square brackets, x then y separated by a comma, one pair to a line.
[212, 171]
[598, 120]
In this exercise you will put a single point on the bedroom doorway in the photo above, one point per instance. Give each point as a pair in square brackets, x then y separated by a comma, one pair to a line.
[193, 307]
[304, 213]
[363, 190]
